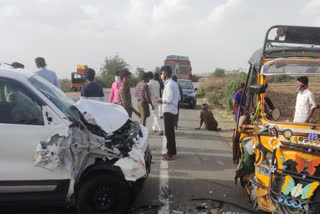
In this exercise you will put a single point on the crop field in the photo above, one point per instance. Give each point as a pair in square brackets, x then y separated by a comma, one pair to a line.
[283, 95]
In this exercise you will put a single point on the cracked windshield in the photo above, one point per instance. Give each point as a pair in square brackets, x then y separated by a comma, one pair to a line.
[160, 107]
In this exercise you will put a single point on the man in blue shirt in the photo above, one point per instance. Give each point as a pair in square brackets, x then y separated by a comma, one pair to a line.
[237, 99]
[49, 75]
[91, 90]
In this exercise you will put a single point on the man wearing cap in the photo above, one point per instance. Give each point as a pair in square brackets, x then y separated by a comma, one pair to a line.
[116, 85]
[45, 73]
[305, 103]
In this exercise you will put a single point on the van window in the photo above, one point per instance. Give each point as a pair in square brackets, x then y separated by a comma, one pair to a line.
[17, 107]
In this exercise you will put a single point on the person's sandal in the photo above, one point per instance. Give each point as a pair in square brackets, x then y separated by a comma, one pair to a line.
[164, 155]
[169, 158]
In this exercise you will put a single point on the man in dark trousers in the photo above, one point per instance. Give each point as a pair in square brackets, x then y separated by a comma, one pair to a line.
[175, 78]
[91, 90]
[169, 100]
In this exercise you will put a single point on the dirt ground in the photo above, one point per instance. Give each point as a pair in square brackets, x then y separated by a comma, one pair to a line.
[283, 95]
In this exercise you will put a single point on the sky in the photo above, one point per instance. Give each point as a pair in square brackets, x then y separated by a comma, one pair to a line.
[213, 33]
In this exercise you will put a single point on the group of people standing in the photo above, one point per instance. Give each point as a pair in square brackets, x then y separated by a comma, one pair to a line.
[147, 91]
[152, 93]
[162, 94]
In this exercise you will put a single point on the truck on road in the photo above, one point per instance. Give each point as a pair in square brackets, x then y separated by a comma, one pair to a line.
[180, 65]
[78, 79]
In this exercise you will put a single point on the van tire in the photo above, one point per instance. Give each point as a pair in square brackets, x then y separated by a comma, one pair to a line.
[104, 194]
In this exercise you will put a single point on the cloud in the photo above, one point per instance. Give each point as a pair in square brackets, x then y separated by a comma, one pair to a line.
[139, 12]
[172, 10]
[9, 11]
[220, 33]
[219, 11]
[311, 8]
[91, 11]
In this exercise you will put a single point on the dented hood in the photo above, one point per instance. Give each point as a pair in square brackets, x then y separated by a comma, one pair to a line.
[108, 116]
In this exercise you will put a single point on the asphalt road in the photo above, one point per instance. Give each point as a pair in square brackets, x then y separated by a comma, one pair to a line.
[203, 169]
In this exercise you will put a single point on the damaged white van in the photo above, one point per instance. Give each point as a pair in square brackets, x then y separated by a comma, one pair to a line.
[53, 151]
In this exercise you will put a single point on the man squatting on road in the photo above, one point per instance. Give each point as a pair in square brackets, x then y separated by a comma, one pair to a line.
[169, 100]
[207, 117]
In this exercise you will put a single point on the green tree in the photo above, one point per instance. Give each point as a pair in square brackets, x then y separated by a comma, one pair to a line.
[111, 65]
[219, 72]
[139, 73]
[157, 70]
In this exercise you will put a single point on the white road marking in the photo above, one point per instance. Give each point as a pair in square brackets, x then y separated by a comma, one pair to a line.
[220, 163]
[164, 182]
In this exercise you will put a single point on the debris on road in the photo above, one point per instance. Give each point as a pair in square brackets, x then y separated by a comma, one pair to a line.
[216, 211]
[218, 204]
[146, 207]
[202, 206]
[177, 212]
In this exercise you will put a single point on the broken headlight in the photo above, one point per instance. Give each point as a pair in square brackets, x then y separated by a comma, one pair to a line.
[123, 138]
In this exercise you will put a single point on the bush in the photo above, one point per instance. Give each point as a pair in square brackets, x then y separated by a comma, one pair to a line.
[232, 86]
[220, 90]
[213, 98]
[65, 85]
[219, 72]
[201, 92]
[215, 83]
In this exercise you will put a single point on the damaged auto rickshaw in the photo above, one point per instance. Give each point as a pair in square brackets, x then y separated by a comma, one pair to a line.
[278, 161]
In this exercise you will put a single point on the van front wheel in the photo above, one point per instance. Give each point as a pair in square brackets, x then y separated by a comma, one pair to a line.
[103, 194]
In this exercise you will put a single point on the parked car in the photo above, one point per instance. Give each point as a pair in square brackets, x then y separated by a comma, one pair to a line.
[189, 95]
[53, 151]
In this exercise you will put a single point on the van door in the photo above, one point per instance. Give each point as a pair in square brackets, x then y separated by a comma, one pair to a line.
[22, 127]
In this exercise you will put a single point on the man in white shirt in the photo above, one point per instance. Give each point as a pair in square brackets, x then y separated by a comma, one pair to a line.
[305, 103]
[154, 88]
[169, 100]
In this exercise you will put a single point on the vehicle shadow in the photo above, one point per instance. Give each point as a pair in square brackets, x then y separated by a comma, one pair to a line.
[34, 209]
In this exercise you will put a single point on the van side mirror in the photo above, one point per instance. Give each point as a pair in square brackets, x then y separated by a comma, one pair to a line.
[49, 119]
[195, 89]
[257, 89]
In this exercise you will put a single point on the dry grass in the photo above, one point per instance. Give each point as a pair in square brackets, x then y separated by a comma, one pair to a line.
[215, 83]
